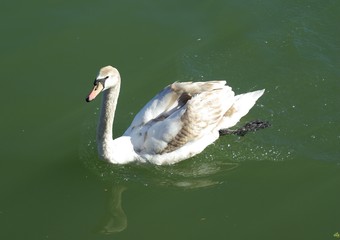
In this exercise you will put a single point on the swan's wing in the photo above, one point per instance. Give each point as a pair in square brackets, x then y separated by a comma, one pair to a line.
[170, 98]
[156, 106]
[200, 115]
[203, 114]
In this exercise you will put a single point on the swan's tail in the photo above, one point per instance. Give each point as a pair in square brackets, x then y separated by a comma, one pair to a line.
[242, 104]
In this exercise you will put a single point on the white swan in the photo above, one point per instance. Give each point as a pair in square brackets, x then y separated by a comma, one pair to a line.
[178, 123]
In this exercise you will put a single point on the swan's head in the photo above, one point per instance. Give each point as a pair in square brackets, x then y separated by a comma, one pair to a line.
[108, 77]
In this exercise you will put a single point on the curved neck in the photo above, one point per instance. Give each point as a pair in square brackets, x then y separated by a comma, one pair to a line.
[108, 109]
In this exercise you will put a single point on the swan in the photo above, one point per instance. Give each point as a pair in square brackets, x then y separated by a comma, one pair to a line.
[178, 123]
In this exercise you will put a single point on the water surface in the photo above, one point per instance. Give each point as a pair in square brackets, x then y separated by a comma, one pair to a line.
[278, 183]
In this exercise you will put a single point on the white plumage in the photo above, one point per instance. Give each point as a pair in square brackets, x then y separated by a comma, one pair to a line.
[178, 123]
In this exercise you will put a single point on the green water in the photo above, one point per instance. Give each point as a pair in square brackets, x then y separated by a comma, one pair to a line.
[278, 183]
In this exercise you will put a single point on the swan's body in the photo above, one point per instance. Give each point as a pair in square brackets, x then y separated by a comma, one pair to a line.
[178, 123]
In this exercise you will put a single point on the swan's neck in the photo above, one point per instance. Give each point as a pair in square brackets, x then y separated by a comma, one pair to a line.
[119, 150]
[108, 109]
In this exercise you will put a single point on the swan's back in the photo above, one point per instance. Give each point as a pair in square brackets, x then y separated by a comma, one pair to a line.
[185, 114]
[172, 96]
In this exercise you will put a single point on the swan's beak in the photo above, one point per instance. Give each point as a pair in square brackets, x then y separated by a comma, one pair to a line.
[95, 91]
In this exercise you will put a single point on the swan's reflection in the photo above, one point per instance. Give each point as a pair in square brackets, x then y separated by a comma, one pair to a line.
[115, 219]
[201, 176]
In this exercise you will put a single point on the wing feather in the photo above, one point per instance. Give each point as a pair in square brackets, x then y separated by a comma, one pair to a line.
[161, 103]
[182, 112]
[203, 114]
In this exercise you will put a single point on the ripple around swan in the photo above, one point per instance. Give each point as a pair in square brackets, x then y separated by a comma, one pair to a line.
[194, 173]
[206, 169]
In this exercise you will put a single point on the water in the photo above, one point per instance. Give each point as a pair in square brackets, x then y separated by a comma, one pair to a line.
[278, 183]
